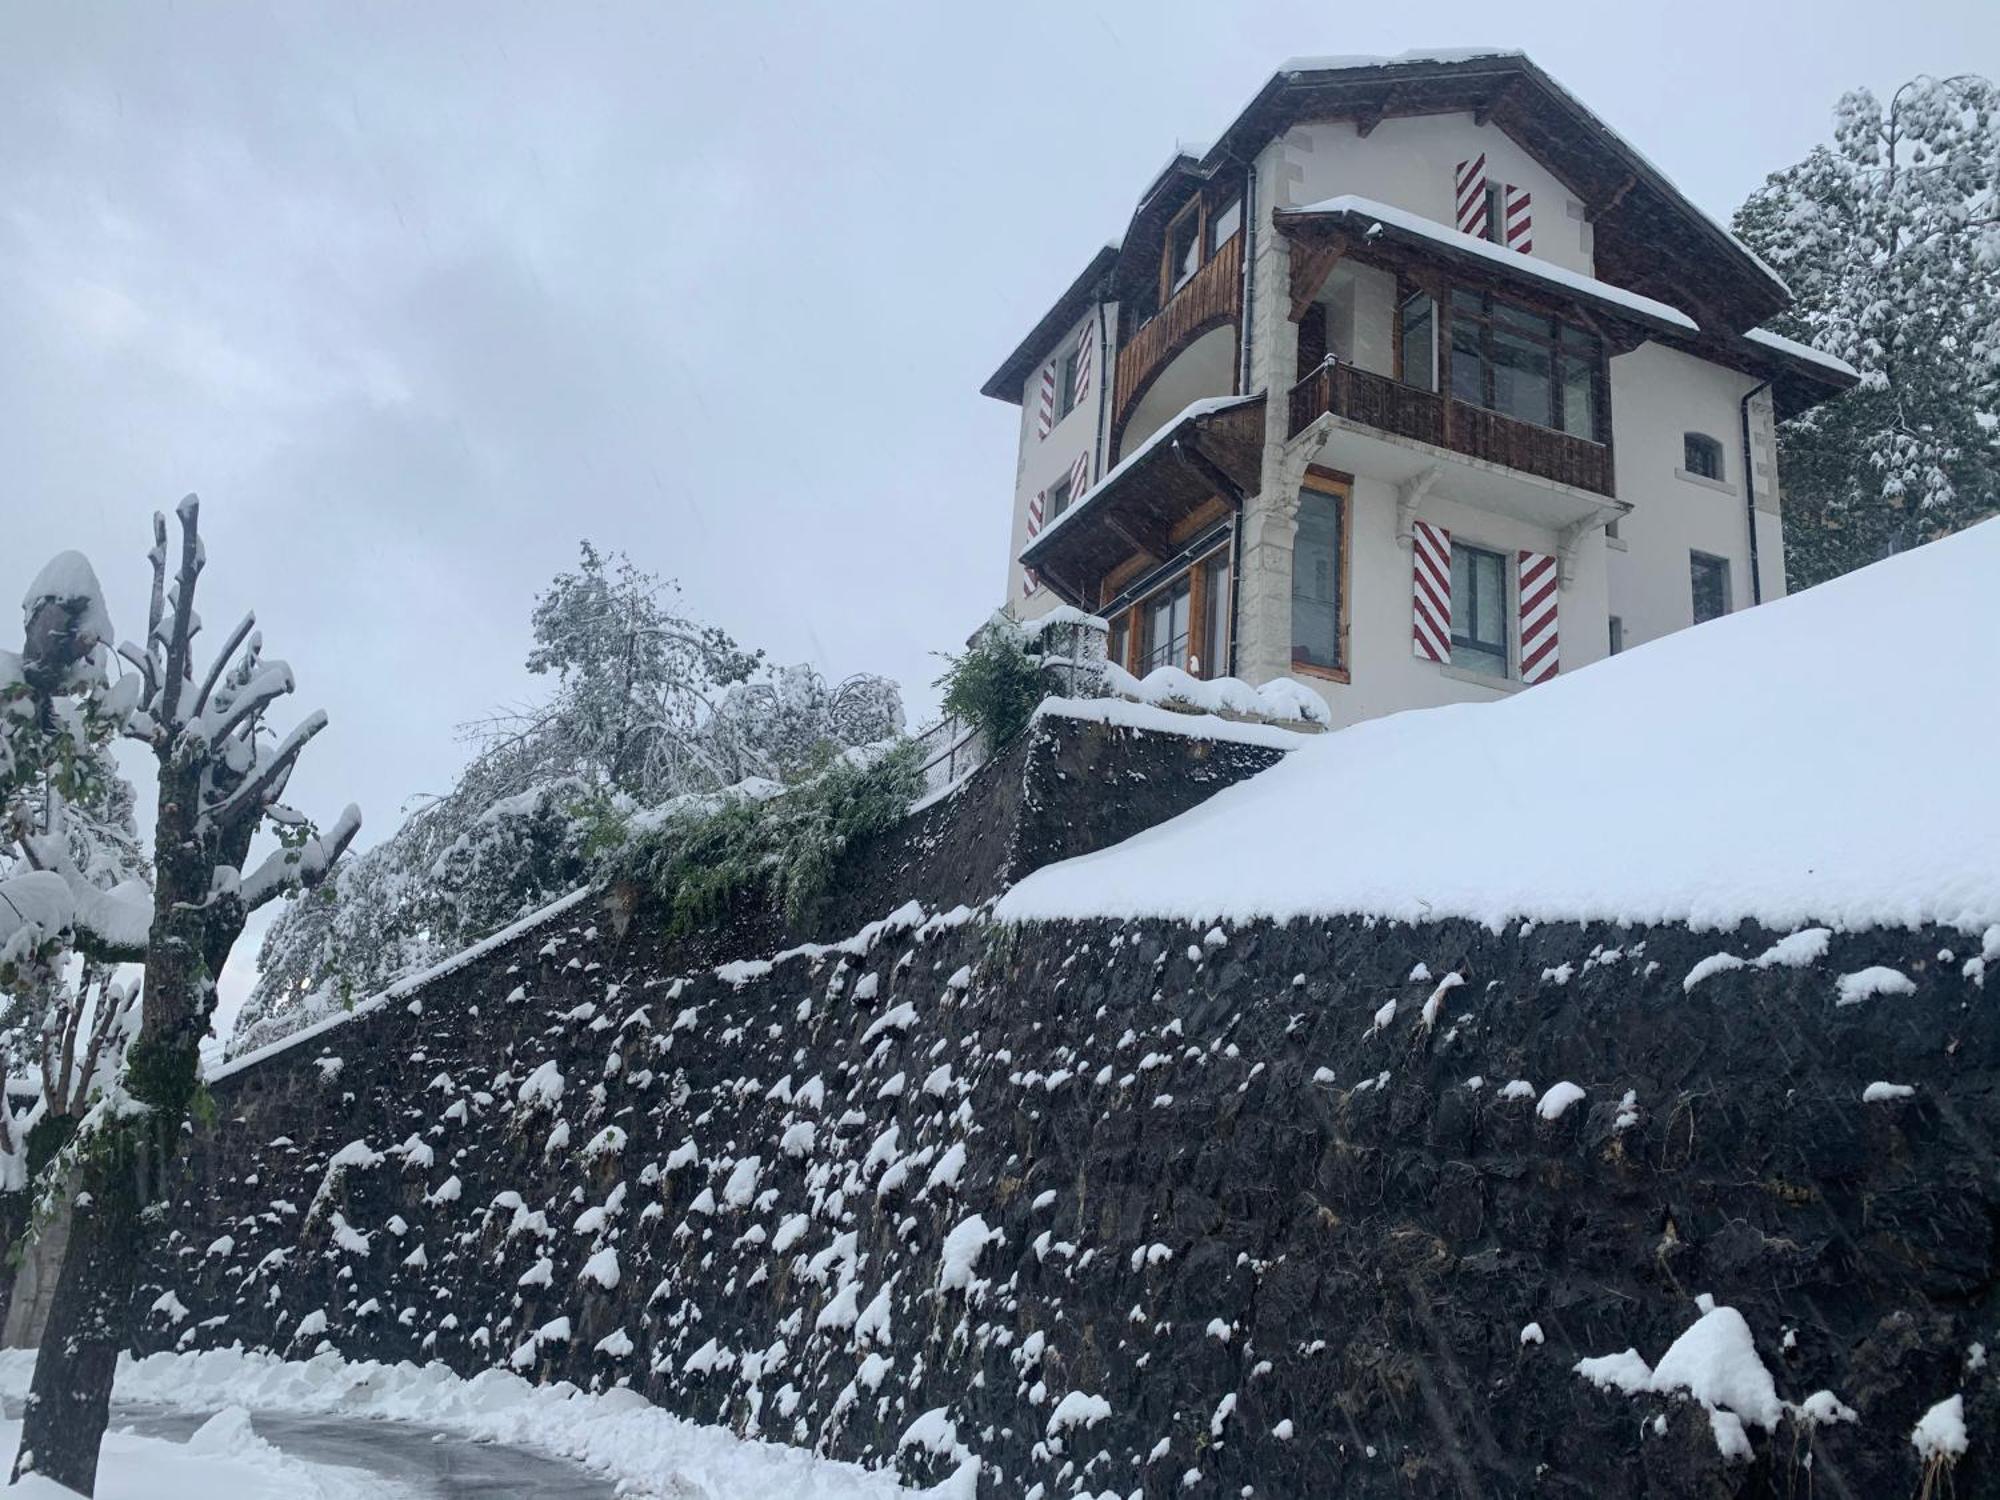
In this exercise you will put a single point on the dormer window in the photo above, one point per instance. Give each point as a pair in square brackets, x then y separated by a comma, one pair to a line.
[1703, 456]
[1183, 247]
[1223, 223]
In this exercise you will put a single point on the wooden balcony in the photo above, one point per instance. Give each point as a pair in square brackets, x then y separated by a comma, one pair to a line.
[1210, 298]
[1429, 417]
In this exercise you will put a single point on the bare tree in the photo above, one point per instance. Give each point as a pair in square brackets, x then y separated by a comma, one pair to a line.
[220, 778]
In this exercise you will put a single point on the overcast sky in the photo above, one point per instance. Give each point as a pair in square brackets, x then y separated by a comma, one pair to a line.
[415, 296]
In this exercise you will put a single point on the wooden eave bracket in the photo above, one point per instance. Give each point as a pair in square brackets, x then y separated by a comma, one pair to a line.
[1409, 495]
[1313, 260]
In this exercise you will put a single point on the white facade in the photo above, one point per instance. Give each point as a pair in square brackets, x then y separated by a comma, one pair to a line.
[1626, 559]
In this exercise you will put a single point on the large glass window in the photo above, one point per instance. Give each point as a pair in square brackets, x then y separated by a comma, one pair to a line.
[1419, 323]
[1215, 604]
[1524, 364]
[1117, 645]
[1165, 617]
[1478, 610]
[1709, 577]
[1316, 570]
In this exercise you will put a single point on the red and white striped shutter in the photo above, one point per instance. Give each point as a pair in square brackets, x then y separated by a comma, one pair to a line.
[1086, 349]
[1030, 579]
[1540, 658]
[1470, 183]
[1045, 416]
[1430, 591]
[1520, 219]
[1079, 476]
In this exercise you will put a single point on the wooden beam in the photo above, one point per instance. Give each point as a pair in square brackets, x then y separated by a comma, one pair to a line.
[1593, 212]
[1367, 120]
[1493, 105]
[1312, 262]
[1141, 536]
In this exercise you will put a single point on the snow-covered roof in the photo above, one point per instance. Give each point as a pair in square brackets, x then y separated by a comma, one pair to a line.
[1805, 352]
[1511, 261]
[1731, 771]
[1207, 406]
[1340, 62]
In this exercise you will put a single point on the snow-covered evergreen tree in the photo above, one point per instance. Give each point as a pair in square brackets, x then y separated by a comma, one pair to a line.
[1890, 240]
[648, 706]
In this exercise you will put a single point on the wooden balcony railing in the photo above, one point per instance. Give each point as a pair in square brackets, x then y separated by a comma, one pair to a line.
[1412, 412]
[1208, 299]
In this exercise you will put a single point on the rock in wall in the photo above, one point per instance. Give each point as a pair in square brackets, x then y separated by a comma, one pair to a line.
[1144, 1209]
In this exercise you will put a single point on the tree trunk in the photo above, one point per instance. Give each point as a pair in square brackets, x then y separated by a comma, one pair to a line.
[41, 1264]
[69, 1403]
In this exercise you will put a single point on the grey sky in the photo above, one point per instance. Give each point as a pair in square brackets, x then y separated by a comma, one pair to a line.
[415, 296]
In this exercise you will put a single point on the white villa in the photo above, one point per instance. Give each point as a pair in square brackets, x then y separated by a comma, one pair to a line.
[1418, 385]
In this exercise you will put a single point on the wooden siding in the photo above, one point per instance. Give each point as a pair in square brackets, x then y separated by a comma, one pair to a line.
[1429, 417]
[1212, 297]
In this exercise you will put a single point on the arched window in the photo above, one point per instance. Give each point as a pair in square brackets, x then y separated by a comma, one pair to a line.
[1704, 456]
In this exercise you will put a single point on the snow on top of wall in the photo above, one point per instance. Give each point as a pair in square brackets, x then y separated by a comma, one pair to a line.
[1800, 351]
[1126, 715]
[402, 988]
[1206, 406]
[1500, 255]
[1732, 771]
[1280, 698]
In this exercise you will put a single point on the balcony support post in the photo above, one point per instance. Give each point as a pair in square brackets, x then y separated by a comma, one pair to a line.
[1409, 495]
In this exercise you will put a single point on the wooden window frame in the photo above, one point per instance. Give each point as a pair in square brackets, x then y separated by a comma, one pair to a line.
[1195, 573]
[1509, 589]
[1485, 321]
[1169, 286]
[1333, 482]
[1212, 215]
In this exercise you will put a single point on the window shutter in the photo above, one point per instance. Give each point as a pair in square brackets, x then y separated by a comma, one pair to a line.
[1430, 590]
[1045, 417]
[1030, 579]
[1520, 218]
[1086, 353]
[1079, 476]
[1470, 181]
[1538, 579]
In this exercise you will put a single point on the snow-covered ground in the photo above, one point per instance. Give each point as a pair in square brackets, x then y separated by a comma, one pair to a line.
[224, 1460]
[1823, 758]
[647, 1451]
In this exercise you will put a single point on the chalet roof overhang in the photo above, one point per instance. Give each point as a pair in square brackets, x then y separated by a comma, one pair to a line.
[1650, 236]
[1214, 448]
[1007, 382]
[1630, 201]
[1405, 243]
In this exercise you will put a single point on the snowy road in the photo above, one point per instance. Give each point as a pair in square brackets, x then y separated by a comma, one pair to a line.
[418, 1461]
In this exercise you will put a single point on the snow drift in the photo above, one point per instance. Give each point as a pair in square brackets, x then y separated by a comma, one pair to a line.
[1827, 757]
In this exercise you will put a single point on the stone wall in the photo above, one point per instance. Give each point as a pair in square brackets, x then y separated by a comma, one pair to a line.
[1148, 1209]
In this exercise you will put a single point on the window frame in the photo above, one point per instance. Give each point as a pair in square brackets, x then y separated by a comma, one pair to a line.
[1066, 368]
[1051, 505]
[1340, 488]
[1180, 585]
[1211, 239]
[1693, 442]
[1697, 559]
[1585, 344]
[1191, 569]
[1170, 284]
[1509, 586]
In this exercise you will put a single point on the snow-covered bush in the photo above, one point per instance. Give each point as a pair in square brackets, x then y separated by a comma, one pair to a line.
[781, 851]
[996, 682]
[654, 719]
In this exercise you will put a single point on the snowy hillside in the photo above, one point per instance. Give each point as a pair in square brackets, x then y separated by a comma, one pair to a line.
[1828, 757]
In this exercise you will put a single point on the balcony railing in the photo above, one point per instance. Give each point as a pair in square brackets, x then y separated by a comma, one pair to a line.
[1430, 417]
[1209, 298]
